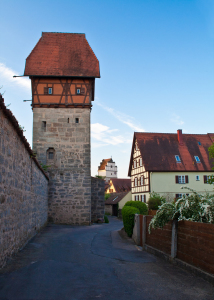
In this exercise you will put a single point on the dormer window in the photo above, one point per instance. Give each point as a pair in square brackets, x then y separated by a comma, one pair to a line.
[177, 158]
[50, 91]
[197, 159]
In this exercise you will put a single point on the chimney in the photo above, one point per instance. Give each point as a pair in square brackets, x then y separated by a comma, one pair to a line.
[180, 137]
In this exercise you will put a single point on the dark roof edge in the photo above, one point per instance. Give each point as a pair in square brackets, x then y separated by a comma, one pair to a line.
[7, 112]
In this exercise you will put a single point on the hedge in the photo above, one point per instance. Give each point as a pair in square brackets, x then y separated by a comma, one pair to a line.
[140, 205]
[128, 214]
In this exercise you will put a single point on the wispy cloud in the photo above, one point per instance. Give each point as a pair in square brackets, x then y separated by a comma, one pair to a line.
[106, 135]
[7, 78]
[123, 118]
[176, 119]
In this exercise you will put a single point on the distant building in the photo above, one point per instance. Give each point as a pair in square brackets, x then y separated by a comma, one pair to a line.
[119, 185]
[164, 162]
[107, 169]
[116, 202]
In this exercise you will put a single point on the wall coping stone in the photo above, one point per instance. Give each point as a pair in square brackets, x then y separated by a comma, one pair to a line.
[10, 117]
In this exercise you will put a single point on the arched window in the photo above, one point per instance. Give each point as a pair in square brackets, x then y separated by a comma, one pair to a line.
[50, 155]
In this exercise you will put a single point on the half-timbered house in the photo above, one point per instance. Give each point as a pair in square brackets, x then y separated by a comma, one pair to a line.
[163, 162]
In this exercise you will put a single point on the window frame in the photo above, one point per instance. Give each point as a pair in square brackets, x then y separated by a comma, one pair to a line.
[197, 179]
[78, 88]
[135, 181]
[142, 180]
[197, 159]
[177, 158]
[50, 88]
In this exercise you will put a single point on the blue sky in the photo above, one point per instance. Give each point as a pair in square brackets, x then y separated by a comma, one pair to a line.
[156, 62]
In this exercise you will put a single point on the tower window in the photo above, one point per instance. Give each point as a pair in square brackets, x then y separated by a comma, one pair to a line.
[76, 120]
[78, 91]
[50, 91]
[50, 155]
[44, 125]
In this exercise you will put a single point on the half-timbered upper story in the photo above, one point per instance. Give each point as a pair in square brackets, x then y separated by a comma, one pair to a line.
[62, 68]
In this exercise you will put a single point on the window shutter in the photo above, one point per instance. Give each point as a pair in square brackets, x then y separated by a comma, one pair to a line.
[186, 179]
[176, 196]
[82, 91]
[205, 178]
[45, 90]
[176, 179]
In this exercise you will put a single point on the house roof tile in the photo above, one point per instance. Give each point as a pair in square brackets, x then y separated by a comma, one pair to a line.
[121, 184]
[115, 198]
[158, 151]
[62, 54]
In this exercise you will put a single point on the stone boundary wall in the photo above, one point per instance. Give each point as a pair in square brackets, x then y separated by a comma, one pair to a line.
[97, 199]
[23, 188]
[185, 242]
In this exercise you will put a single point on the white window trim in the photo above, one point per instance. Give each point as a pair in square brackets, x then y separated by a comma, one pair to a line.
[197, 159]
[177, 158]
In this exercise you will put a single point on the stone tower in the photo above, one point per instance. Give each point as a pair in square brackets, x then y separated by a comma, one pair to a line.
[62, 68]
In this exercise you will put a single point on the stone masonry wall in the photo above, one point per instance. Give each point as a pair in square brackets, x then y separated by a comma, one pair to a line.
[97, 199]
[23, 188]
[57, 130]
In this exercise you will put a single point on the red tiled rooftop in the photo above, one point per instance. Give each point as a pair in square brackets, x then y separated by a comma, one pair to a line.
[121, 184]
[115, 198]
[62, 54]
[158, 151]
[104, 163]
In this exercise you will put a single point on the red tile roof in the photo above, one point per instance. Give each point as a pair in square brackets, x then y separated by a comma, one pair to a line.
[115, 198]
[158, 151]
[62, 54]
[104, 163]
[121, 184]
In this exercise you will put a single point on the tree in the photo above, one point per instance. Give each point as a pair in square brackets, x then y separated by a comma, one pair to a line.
[211, 155]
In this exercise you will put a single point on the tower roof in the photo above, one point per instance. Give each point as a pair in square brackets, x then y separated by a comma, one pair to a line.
[62, 54]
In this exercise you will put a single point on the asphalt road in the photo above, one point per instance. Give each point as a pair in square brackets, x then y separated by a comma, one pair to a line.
[94, 262]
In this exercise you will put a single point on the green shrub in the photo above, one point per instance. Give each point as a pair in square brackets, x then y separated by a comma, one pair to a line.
[155, 200]
[107, 196]
[140, 205]
[194, 207]
[128, 214]
[106, 220]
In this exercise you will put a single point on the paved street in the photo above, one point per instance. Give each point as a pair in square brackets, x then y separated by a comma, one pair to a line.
[67, 262]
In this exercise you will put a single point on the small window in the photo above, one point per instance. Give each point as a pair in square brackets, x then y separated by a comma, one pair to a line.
[177, 158]
[177, 196]
[68, 120]
[197, 177]
[136, 198]
[182, 179]
[44, 125]
[142, 180]
[199, 143]
[136, 147]
[78, 91]
[143, 198]
[135, 181]
[197, 159]
[76, 120]
[135, 164]
[115, 173]
[50, 155]
[50, 91]
[141, 162]
[206, 179]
